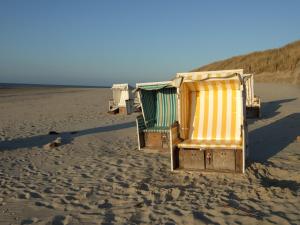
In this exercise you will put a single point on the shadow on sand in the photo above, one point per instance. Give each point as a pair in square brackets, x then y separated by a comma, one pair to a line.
[264, 142]
[267, 141]
[270, 109]
[67, 137]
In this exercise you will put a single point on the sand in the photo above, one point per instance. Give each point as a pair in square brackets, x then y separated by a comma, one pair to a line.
[97, 175]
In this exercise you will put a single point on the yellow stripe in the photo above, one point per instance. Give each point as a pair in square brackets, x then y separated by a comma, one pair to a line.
[195, 85]
[183, 103]
[196, 116]
[187, 104]
[206, 105]
[215, 111]
[224, 110]
[238, 115]
[187, 111]
[182, 110]
[191, 115]
[233, 117]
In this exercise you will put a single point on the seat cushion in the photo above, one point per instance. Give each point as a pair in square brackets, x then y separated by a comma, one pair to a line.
[157, 129]
[221, 144]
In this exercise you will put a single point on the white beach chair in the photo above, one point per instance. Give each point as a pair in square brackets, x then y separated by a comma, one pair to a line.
[123, 99]
[253, 102]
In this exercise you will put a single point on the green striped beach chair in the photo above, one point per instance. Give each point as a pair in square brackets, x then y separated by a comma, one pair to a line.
[159, 113]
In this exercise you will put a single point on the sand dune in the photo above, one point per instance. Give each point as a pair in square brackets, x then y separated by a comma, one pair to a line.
[281, 65]
[97, 175]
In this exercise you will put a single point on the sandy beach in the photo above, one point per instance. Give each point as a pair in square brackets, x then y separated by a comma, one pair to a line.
[97, 175]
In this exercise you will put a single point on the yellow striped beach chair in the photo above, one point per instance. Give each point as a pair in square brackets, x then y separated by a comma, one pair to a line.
[158, 102]
[253, 102]
[211, 131]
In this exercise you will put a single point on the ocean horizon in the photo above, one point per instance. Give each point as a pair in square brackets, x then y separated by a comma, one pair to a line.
[28, 85]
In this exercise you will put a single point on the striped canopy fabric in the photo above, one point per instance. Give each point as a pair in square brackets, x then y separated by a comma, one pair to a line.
[148, 103]
[211, 111]
[159, 107]
[205, 75]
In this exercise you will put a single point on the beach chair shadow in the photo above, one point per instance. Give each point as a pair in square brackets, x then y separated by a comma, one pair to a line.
[67, 137]
[270, 109]
[269, 140]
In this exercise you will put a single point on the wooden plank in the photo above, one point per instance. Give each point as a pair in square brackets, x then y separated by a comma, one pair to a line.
[239, 161]
[209, 159]
[253, 112]
[174, 158]
[224, 160]
[140, 134]
[123, 110]
[113, 111]
[157, 140]
[191, 159]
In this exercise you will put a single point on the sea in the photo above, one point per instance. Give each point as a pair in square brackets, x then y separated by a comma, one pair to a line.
[21, 85]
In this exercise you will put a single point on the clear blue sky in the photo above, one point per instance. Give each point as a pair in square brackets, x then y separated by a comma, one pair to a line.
[100, 42]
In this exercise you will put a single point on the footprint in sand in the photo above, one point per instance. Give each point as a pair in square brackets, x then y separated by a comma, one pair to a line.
[49, 190]
[61, 220]
[143, 186]
[175, 193]
[35, 194]
[70, 198]
[23, 195]
[104, 204]
[86, 175]
[29, 221]
[44, 204]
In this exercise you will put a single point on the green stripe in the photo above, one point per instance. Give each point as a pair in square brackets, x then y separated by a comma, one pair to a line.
[166, 108]
[159, 107]
[154, 87]
[149, 106]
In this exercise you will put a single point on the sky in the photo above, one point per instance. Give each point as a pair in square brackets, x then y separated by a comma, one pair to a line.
[100, 42]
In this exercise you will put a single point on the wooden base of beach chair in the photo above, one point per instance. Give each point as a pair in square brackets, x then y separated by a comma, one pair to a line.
[208, 160]
[119, 110]
[123, 110]
[157, 140]
[114, 111]
[253, 112]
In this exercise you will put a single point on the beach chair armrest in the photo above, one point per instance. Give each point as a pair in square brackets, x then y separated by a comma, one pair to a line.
[174, 133]
[175, 124]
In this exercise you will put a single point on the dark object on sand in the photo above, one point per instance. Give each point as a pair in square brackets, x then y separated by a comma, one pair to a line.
[53, 144]
[53, 132]
[73, 132]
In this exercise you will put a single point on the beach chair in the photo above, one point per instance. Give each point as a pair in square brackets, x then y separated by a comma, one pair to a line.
[158, 103]
[252, 101]
[123, 99]
[211, 133]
